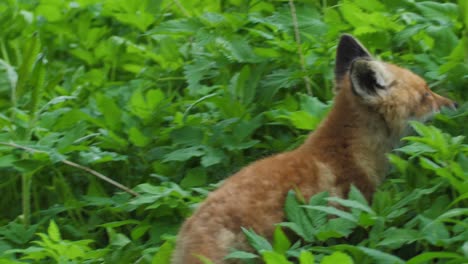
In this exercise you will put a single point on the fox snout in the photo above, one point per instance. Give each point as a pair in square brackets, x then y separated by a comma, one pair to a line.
[441, 102]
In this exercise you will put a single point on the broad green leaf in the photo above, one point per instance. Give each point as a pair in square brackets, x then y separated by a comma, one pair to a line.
[54, 232]
[281, 242]
[189, 135]
[138, 138]
[7, 161]
[337, 257]
[427, 256]
[212, 156]
[306, 258]
[163, 256]
[143, 104]
[195, 177]
[271, 257]
[303, 120]
[184, 154]
[112, 113]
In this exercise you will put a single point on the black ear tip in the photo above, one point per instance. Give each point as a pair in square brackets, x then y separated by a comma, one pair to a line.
[347, 51]
[346, 37]
[349, 40]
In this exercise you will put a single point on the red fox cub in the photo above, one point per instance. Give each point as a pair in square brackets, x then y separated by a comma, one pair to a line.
[373, 104]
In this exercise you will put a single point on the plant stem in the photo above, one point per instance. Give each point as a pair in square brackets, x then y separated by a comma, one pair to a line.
[26, 196]
[75, 165]
[4, 51]
[299, 46]
[182, 8]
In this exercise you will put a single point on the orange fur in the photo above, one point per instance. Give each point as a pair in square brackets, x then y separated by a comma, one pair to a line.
[373, 105]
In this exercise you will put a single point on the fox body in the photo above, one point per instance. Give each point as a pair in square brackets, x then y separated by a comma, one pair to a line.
[374, 102]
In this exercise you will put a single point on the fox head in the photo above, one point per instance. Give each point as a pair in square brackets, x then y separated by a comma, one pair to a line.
[396, 94]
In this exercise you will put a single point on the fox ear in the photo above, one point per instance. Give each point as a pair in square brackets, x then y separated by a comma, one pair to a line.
[348, 50]
[369, 78]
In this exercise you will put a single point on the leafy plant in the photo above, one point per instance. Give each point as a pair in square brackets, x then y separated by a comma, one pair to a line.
[118, 117]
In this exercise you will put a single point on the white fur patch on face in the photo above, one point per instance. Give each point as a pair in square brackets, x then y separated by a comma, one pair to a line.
[383, 76]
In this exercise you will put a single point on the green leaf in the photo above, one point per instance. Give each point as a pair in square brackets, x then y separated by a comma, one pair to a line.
[337, 257]
[271, 257]
[7, 161]
[54, 232]
[434, 232]
[452, 213]
[352, 204]
[184, 154]
[281, 242]
[194, 178]
[334, 211]
[241, 255]
[189, 135]
[10, 75]
[381, 257]
[303, 120]
[112, 113]
[427, 256]
[120, 223]
[212, 156]
[296, 214]
[396, 238]
[164, 254]
[144, 105]
[335, 228]
[138, 138]
[306, 257]
[257, 242]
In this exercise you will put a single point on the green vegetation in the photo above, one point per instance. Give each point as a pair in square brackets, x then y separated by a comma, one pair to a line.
[168, 97]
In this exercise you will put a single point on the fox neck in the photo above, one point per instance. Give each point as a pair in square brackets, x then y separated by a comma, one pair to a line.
[353, 137]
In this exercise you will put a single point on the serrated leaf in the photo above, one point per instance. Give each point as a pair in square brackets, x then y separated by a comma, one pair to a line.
[333, 211]
[295, 213]
[381, 257]
[352, 204]
[241, 255]
[335, 228]
[259, 243]
[396, 238]
[54, 232]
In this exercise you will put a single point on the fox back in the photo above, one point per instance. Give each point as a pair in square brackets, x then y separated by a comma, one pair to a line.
[374, 102]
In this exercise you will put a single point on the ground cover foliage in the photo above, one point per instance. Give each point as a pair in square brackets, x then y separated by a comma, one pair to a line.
[169, 97]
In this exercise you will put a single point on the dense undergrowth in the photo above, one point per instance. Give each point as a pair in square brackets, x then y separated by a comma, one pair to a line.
[168, 97]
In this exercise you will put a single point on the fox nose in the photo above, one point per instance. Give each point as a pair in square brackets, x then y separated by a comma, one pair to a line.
[455, 105]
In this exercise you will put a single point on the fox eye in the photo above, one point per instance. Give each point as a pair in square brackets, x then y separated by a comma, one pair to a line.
[425, 96]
